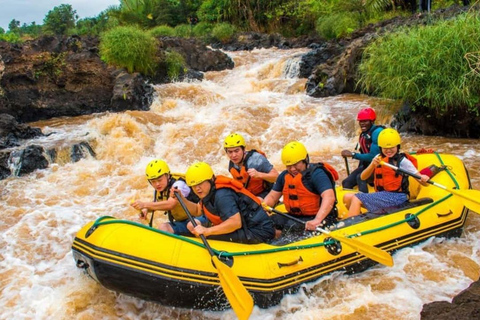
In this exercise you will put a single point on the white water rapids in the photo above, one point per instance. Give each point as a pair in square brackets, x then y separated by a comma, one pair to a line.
[262, 99]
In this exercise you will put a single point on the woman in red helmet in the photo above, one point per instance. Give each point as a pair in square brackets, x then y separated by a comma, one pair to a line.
[368, 144]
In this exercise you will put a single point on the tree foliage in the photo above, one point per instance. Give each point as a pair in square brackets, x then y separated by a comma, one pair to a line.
[60, 19]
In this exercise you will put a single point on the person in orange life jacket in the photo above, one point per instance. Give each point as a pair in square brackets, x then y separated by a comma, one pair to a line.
[308, 191]
[249, 167]
[391, 187]
[233, 213]
[368, 149]
[159, 177]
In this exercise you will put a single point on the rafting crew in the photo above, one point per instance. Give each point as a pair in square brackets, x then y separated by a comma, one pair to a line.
[367, 147]
[308, 191]
[392, 187]
[251, 167]
[159, 177]
[233, 213]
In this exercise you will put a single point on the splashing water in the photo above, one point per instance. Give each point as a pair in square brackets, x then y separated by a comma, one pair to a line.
[262, 99]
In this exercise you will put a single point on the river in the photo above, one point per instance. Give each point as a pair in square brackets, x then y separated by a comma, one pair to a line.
[262, 99]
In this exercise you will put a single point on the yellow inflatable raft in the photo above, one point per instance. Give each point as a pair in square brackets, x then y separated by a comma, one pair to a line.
[137, 260]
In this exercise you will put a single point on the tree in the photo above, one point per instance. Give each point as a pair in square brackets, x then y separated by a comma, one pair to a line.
[60, 19]
[13, 25]
[2, 31]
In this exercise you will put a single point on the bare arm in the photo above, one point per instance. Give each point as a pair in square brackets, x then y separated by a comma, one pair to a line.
[230, 225]
[371, 167]
[165, 205]
[270, 176]
[328, 201]
[272, 198]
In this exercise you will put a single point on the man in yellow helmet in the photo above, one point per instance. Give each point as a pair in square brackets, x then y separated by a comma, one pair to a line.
[308, 191]
[251, 168]
[233, 213]
[160, 178]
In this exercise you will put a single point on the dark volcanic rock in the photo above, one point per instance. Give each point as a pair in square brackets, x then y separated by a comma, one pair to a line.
[30, 159]
[197, 56]
[11, 132]
[465, 306]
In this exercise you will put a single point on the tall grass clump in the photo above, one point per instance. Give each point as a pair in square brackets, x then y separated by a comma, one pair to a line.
[434, 66]
[183, 31]
[131, 48]
[337, 25]
[175, 64]
[162, 31]
[223, 32]
[202, 30]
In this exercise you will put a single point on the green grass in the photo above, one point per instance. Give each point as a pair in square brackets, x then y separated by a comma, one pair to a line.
[129, 47]
[223, 32]
[434, 66]
[162, 31]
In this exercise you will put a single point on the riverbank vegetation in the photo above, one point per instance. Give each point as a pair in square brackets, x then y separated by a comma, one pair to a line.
[435, 65]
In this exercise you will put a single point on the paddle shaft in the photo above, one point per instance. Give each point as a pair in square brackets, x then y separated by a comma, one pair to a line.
[297, 220]
[416, 176]
[194, 223]
[369, 251]
[346, 165]
[471, 196]
[240, 299]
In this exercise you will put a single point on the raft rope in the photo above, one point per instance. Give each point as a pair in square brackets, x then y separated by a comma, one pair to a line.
[100, 222]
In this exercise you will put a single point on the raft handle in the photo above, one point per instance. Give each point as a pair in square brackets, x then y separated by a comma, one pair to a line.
[82, 264]
[440, 215]
[289, 264]
[90, 231]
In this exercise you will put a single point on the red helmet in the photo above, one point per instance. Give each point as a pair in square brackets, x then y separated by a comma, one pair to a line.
[366, 114]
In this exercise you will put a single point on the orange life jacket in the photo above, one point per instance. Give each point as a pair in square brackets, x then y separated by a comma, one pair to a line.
[300, 200]
[387, 179]
[225, 182]
[254, 185]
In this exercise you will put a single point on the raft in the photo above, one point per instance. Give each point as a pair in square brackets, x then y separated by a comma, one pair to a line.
[144, 262]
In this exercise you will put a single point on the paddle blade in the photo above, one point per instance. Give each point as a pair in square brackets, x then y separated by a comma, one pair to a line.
[368, 251]
[471, 198]
[239, 298]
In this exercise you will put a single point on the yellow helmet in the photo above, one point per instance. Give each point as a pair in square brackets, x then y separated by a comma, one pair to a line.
[234, 140]
[389, 138]
[294, 152]
[197, 173]
[156, 168]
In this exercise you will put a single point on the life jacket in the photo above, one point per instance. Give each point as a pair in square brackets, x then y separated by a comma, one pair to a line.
[299, 199]
[365, 139]
[208, 208]
[387, 179]
[177, 213]
[254, 185]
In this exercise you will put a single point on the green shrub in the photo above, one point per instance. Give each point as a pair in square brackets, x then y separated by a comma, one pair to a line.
[337, 25]
[175, 64]
[131, 48]
[434, 66]
[202, 30]
[183, 31]
[10, 37]
[162, 31]
[223, 32]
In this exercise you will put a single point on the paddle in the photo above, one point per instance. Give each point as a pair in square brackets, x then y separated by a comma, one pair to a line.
[346, 166]
[471, 196]
[369, 251]
[237, 295]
